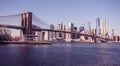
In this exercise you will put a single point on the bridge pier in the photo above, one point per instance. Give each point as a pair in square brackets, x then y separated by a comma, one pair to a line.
[94, 38]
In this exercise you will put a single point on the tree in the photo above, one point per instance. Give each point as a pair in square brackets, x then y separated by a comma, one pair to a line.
[5, 34]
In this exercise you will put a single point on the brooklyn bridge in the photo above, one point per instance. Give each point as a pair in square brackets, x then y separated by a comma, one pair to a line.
[26, 28]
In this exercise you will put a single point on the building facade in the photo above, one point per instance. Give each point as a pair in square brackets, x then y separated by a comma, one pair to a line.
[98, 29]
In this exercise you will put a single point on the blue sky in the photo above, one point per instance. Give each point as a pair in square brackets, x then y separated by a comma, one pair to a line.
[76, 11]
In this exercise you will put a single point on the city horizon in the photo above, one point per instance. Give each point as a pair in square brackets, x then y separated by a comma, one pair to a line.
[78, 12]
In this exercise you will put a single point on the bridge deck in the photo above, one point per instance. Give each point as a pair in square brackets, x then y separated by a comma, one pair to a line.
[11, 26]
[43, 29]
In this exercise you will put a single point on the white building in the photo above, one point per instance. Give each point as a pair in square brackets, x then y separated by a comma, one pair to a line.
[40, 36]
[60, 34]
[47, 36]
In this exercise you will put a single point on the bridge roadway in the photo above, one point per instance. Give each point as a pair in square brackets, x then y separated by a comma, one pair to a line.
[44, 29]
[11, 26]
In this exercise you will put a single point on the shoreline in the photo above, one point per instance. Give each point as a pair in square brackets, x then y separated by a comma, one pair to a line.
[48, 42]
[25, 42]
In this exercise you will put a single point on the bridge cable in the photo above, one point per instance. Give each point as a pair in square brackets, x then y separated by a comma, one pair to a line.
[40, 20]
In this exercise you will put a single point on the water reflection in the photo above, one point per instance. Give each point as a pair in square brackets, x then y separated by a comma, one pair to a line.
[104, 55]
[60, 54]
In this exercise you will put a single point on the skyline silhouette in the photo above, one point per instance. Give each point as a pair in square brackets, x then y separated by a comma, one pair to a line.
[76, 11]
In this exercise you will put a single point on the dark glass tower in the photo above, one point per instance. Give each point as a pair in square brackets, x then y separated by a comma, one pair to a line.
[98, 29]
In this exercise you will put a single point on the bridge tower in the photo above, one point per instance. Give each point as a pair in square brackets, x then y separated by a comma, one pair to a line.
[26, 21]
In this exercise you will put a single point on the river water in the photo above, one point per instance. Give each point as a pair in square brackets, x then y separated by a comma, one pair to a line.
[60, 54]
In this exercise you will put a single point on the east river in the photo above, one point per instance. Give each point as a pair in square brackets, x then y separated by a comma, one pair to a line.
[60, 54]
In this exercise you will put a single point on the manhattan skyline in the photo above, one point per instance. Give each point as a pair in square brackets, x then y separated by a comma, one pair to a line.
[76, 11]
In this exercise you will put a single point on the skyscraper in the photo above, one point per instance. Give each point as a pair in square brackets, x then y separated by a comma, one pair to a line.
[98, 29]
[71, 28]
[60, 27]
[88, 27]
[75, 35]
[52, 34]
[105, 27]
[112, 33]
[81, 28]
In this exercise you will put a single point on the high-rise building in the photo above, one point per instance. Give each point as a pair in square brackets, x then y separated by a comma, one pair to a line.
[88, 27]
[105, 27]
[112, 33]
[75, 35]
[81, 28]
[71, 28]
[52, 34]
[98, 29]
[61, 27]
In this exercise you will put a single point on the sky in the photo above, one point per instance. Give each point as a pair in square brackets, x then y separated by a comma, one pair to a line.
[78, 12]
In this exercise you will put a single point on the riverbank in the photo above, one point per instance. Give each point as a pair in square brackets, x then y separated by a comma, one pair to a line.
[72, 42]
[48, 42]
[24, 42]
